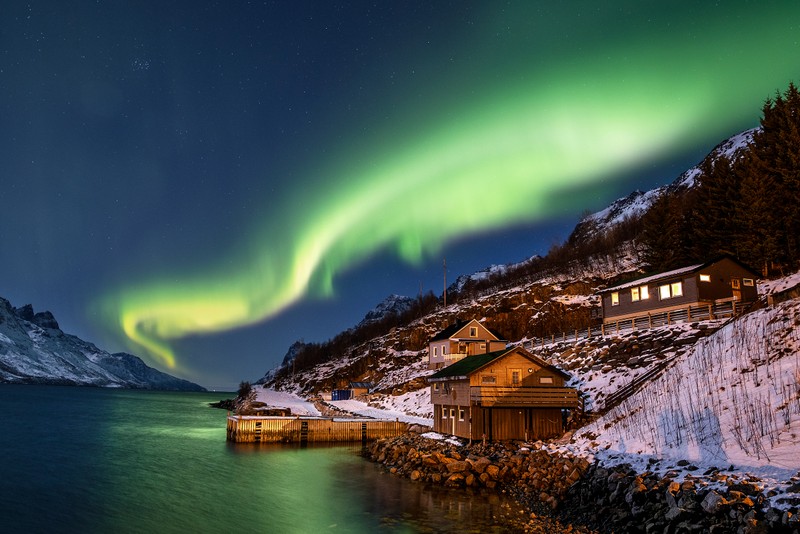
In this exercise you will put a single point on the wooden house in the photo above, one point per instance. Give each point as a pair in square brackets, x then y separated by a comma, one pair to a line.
[501, 395]
[723, 279]
[462, 339]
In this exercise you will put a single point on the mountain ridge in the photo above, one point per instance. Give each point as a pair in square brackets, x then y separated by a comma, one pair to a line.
[34, 350]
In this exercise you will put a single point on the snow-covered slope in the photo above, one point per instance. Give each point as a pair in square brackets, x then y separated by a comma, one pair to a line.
[34, 350]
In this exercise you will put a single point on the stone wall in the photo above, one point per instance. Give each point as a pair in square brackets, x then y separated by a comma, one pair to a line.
[575, 491]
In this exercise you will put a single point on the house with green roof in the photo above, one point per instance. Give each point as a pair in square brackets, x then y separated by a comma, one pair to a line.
[501, 395]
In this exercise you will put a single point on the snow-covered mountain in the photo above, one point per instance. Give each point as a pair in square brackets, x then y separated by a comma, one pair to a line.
[391, 305]
[638, 202]
[484, 274]
[34, 350]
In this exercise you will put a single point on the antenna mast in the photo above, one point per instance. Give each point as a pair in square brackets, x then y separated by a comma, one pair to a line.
[444, 270]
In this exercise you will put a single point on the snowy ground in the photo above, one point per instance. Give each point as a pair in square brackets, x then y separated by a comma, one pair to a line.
[732, 403]
[363, 409]
[280, 399]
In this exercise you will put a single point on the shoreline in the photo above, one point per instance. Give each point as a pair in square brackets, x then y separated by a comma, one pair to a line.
[578, 494]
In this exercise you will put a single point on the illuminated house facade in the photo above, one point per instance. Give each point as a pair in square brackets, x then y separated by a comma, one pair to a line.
[502, 395]
[720, 280]
[459, 340]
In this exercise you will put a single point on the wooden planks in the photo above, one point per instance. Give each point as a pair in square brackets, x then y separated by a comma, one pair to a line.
[525, 397]
[254, 429]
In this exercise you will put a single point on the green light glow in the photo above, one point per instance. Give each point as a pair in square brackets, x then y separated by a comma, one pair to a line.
[513, 154]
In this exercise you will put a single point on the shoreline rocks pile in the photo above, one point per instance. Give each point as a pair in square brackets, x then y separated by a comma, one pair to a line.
[622, 500]
[573, 490]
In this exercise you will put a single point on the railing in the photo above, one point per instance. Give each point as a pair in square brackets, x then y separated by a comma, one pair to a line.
[722, 309]
[524, 396]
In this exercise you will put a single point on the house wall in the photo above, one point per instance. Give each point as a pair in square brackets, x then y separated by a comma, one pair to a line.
[500, 424]
[451, 393]
[628, 307]
[722, 273]
[451, 419]
[501, 371]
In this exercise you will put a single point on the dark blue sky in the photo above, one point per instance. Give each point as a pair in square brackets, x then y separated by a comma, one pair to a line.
[203, 183]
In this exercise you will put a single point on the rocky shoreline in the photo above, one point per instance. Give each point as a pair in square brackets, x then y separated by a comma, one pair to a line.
[568, 493]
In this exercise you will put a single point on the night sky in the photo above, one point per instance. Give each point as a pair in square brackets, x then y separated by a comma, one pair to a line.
[203, 183]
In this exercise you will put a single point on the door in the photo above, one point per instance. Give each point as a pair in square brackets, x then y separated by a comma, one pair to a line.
[736, 288]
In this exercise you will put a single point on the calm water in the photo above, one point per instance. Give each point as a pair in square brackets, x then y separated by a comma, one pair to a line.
[95, 460]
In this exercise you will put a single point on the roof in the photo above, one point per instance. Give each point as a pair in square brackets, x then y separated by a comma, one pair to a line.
[361, 385]
[676, 272]
[451, 330]
[466, 366]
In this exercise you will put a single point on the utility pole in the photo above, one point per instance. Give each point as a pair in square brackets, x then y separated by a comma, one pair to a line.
[444, 270]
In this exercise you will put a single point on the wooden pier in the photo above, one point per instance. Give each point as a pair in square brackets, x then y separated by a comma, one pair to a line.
[258, 429]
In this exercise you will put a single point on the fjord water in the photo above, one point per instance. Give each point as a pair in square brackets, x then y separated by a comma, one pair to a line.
[100, 460]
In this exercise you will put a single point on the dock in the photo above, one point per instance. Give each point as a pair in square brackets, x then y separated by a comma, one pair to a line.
[264, 429]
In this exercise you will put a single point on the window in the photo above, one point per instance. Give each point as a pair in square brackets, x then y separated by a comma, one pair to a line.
[488, 379]
[483, 346]
[677, 289]
[639, 293]
[663, 292]
[546, 380]
[436, 386]
[444, 413]
[461, 414]
[670, 290]
[516, 375]
[615, 298]
[444, 349]
[736, 283]
[452, 413]
[473, 331]
[747, 281]
[705, 277]
[435, 351]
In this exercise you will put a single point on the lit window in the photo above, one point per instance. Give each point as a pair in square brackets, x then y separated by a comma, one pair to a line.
[735, 283]
[473, 331]
[546, 380]
[747, 281]
[461, 415]
[436, 386]
[670, 290]
[644, 292]
[705, 277]
[663, 292]
[635, 294]
[615, 298]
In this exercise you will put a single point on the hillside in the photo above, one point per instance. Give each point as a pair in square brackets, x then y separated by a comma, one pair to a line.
[34, 350]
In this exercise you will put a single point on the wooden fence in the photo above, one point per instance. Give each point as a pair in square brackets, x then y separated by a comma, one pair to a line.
[256, 429]
[720, 310]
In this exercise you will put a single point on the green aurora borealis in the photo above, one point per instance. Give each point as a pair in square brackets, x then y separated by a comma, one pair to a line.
[218, 165]
[512, 154]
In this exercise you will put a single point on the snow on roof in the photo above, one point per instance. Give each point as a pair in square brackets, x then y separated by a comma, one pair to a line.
[653, 278]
